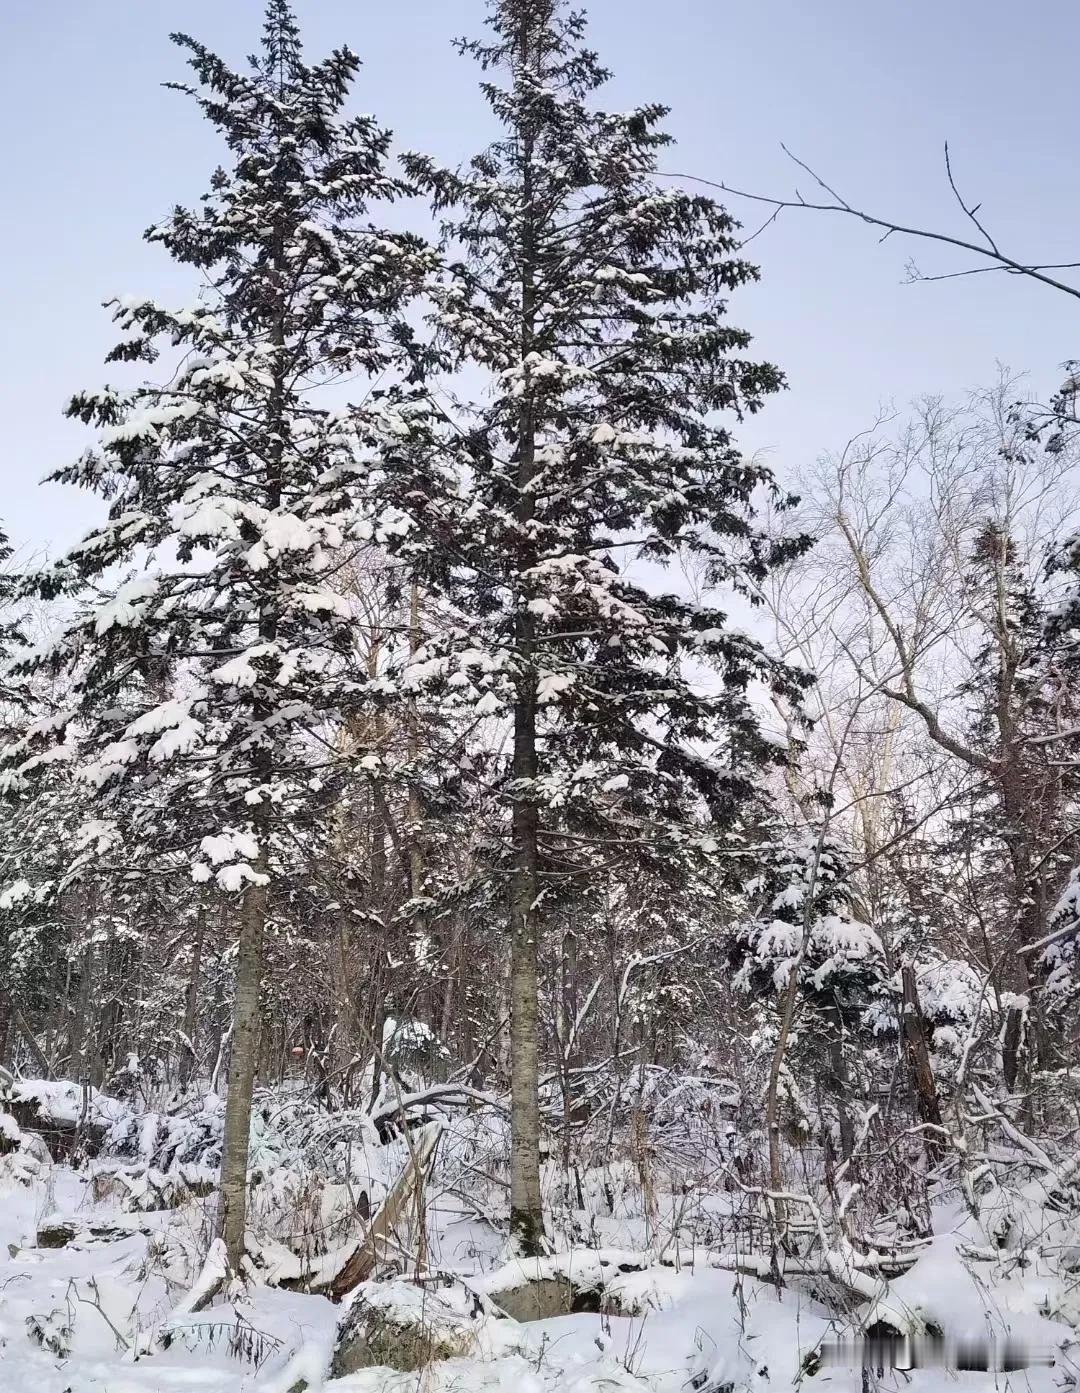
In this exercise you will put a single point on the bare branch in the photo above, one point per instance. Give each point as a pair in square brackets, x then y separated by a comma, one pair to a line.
[1033, 269]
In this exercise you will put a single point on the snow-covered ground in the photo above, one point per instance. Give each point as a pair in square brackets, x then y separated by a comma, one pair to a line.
[90, 1302]
[101, 1265]
[72, 1318]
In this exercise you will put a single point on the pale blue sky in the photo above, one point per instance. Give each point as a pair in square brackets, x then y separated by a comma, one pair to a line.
[867, 92]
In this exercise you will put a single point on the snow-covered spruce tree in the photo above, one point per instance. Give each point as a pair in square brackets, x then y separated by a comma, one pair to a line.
[595, 299]
[233, 498]
[807, 953]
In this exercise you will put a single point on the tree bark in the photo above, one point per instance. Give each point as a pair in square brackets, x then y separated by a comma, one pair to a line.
[7, 1030]
[243, 1055]
[772, 1093]
[839, 1079]
[917, 1047]
[191, 1003]
[80, 1026]
[526, 1212]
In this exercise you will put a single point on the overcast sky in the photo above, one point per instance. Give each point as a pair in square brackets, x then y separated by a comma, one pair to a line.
[95, 150]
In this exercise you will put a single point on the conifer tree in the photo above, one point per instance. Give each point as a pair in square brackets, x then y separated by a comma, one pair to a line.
[596, 301]
[808, 952]
[206, 681]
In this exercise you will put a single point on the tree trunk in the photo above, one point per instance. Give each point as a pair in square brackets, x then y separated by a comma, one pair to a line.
[1011, 1042]
[7, 1031]
[569, 1052]
[341, 1054]
[80, 1025]
[191, 1003]
[526, 1210]
[839, 1079]
[242, 1060]
[244, 1046]
[379, 903]
[917, 1048]
[19, 1028]
[415, 823]
[772, 1093]
[117, 973]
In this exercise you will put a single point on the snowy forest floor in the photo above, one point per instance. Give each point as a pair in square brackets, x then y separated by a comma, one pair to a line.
[109, 1310]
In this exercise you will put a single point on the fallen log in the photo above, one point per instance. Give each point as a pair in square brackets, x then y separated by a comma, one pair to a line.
[361, 1262]
[57, 1232]
[530, 1289]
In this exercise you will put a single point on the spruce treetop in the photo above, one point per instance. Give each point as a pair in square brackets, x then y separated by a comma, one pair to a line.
[210, 636]
[596, 301]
